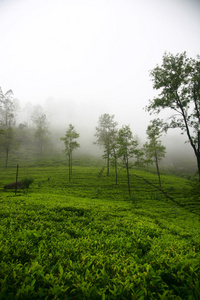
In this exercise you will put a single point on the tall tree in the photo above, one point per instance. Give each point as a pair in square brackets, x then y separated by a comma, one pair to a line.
[41, 131]
[178, 80]
[70, 145]
[114, 156]
[154, 149]
[8, 111]
[127, 149]
[106, 133]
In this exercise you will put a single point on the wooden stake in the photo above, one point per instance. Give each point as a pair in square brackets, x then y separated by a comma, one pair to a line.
[16, 179]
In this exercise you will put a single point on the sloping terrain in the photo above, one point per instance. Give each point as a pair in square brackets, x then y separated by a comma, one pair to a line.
[89, 239]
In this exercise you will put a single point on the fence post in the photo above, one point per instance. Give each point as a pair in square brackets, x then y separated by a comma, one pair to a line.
[16, 179]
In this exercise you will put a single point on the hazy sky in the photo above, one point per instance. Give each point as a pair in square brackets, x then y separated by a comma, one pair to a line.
[90, 57]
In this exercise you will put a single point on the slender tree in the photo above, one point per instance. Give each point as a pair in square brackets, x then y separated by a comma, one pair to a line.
[8, 111]
[70, 145]
[106, 133]
[114, 156]
[178, 80]
[127, 150]
[41, 131]
[154, 149]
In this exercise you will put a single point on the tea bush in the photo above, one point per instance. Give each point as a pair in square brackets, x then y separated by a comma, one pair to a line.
[82, 240]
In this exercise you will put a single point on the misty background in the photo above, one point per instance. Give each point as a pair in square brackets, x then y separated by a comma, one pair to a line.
[79, 59]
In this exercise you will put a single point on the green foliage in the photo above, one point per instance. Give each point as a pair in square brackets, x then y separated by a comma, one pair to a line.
[7, 109]
[133, 198]
[70, 145]
[178, 80]
[127, 145]
[127, 149]
[153, 149]
[27, 181]
[61, 242]
[40, 120]
[7, 122]
[106, 133]
[69, 139]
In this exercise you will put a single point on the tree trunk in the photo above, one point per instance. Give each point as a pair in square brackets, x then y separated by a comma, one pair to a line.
[128, 179]
[69, 168]
[116, 177]
[71, 164]
[108, 164]
[157, 168]
[158, 172]
[198, 155]
[196, 149]
[41, 147]
[198, 164]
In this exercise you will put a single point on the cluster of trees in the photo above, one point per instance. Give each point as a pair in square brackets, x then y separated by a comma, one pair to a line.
[7, 121]
[11, 136]
[120, 149]
[178, 81]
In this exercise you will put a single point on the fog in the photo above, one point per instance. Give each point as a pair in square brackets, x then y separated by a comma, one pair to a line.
[179, 153]
[80, 59]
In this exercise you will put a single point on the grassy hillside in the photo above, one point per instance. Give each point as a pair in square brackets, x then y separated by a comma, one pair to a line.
[89, 240]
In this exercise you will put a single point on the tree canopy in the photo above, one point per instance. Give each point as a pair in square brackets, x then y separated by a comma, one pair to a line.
[7, 121]
[106, 134]
[127, 149]
[178, 81]
[70, 145]
[154, 149]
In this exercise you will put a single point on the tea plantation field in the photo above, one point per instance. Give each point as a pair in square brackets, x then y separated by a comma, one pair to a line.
[89, 240]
